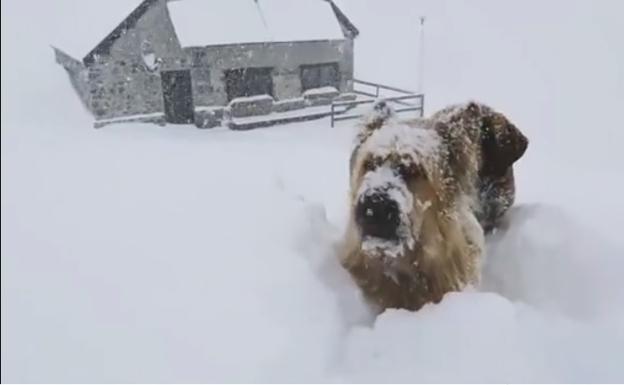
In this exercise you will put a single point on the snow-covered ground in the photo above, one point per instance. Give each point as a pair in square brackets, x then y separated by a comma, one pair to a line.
[141, 253]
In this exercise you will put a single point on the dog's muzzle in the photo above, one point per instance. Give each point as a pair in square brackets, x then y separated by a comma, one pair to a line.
[378, 215]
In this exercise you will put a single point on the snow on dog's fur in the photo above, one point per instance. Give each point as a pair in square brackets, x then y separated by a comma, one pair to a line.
[501, 144]
[414, 232]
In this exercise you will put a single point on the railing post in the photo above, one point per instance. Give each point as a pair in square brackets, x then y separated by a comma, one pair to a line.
[332, 115]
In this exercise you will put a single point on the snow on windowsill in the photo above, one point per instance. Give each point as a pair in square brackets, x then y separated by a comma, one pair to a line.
[321, 91]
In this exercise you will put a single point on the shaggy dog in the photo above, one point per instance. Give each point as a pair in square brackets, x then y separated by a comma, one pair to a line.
[422, 193]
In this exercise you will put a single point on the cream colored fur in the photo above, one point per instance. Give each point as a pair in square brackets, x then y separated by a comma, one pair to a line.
[449, 240]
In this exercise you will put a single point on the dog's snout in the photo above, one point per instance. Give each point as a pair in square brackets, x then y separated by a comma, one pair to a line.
[378, 215]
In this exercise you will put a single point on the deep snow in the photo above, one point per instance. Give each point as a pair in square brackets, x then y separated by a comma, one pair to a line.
[140, 253]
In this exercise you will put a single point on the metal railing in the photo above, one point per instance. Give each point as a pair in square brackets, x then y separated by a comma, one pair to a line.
[409, 101]
[378, 88]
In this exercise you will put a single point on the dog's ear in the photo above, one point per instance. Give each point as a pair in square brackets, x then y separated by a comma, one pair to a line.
[379, 115]
[473, 109]
[502, 144]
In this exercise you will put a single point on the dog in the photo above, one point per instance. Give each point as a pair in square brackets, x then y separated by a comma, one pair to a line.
[423, 194]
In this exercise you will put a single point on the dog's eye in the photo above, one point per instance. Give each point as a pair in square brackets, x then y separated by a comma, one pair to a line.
[372, 163]
[369, 164]
[404, 172]
[409, 172]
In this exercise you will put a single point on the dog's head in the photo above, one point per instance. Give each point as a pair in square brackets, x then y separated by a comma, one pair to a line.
[502, 143]
[393, 186]
[412, 235]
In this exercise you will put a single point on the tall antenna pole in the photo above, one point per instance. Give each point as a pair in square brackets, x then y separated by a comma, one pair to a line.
[421, 57]
[261, 12]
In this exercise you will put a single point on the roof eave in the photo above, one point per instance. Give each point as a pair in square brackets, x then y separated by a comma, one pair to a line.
[348, 28]
[104, 46]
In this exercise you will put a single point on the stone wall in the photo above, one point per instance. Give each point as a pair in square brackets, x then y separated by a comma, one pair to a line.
[121, 83]
[285, 59]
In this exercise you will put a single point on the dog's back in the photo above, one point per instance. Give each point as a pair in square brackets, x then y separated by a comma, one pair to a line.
[500, 145]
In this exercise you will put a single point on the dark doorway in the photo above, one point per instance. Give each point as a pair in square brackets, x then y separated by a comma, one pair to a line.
[178, 96]
[243, 82]
[320, 75]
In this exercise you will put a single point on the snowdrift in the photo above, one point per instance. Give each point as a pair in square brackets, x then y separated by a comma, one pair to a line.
[168, 254]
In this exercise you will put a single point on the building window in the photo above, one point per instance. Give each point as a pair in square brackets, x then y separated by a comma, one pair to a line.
[320, 75]
[243, 82]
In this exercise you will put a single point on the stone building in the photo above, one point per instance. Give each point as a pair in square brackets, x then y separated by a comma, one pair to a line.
[184, 61]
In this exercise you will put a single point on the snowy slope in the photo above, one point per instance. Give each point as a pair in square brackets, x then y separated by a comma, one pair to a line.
[141, 253]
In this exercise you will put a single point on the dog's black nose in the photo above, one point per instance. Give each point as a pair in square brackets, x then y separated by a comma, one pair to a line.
[377, 215]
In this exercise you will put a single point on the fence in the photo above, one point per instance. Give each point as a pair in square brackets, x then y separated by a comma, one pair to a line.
[339, 109]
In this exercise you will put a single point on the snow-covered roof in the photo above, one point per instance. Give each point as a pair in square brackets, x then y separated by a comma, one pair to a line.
[210, 22]
[87, 22]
